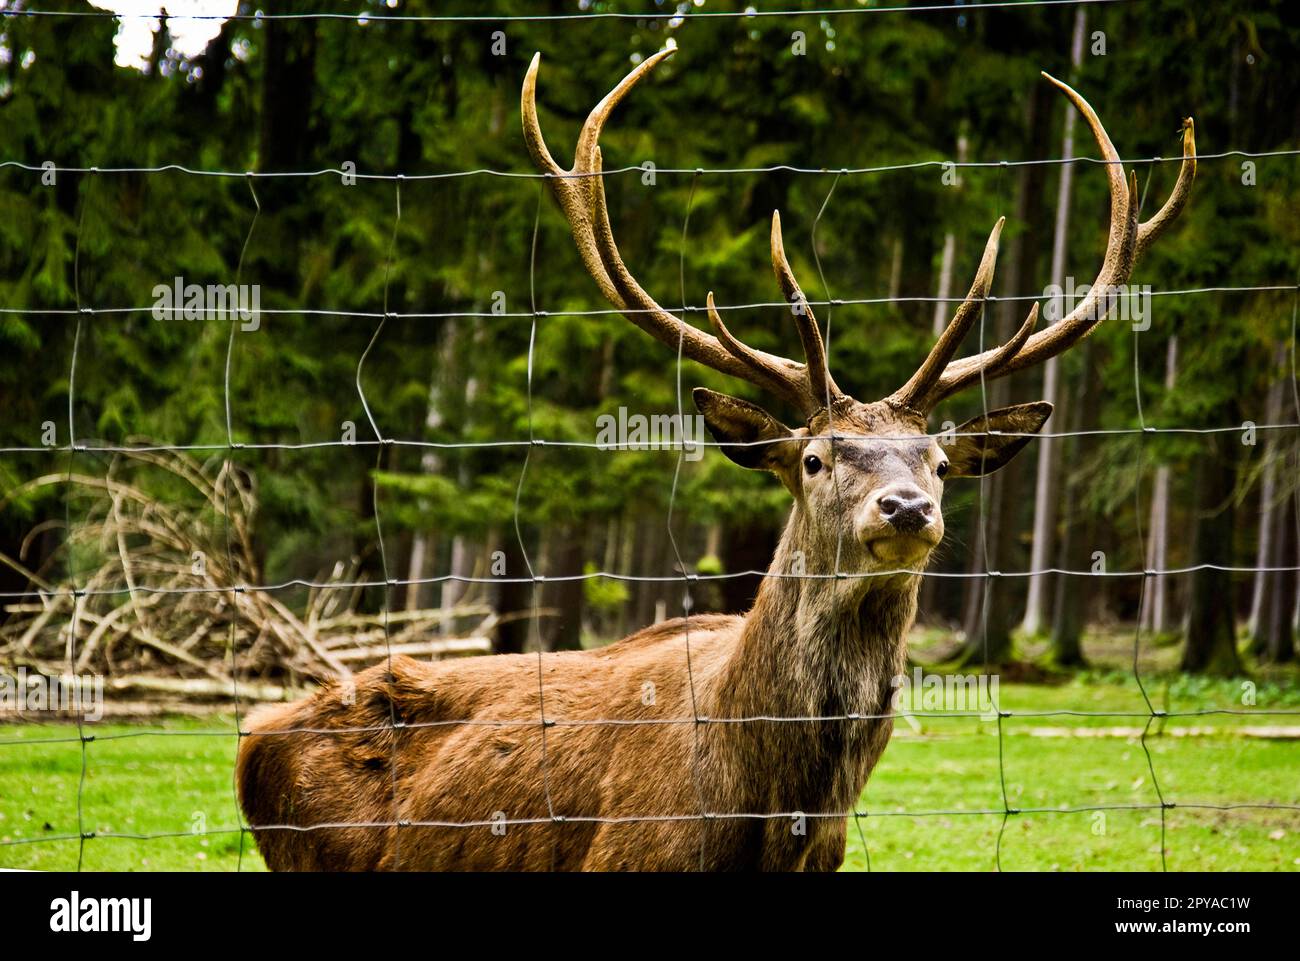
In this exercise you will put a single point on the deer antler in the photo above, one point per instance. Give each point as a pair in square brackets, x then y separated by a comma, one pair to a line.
[581, 194]
[809, 387]
[940, 376]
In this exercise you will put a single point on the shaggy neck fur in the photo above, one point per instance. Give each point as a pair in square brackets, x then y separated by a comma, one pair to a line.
[818, 645]
[811, 647]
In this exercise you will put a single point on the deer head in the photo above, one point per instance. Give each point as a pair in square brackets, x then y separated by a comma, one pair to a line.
[866, 477]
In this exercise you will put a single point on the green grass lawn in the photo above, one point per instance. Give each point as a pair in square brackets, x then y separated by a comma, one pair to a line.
[137, 782]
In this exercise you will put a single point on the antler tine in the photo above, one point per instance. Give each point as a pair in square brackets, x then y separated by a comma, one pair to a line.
[533, 138]
[1012, 346]
[1001, 356]
[1126, 239]
[777, 375]
[738, 348]
[1153, 228]
[581, 195]
[820, 382]
[915, 393]
[573, 188]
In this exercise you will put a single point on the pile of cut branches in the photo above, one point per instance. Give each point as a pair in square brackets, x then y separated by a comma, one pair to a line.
[155, 587]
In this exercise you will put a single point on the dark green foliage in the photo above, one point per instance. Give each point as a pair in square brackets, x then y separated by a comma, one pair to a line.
[427, 98]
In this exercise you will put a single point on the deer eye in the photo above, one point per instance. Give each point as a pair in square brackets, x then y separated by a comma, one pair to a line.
[942, 470]
[812, 464]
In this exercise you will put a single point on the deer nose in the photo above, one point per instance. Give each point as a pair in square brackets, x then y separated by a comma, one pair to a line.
[907, 510]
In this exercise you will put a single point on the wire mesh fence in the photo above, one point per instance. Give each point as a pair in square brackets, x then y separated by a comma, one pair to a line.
[80, 451]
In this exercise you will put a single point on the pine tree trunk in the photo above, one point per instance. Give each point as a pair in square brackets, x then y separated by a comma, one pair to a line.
[928, 606]
[941, 305]
[896, 268]
[627, 565]
[453, 589]
[462, 551]
[1045, 483]
[1275, 635]
[1078, 531]
[1154, 615]
[990, 620]
[565, 554]
[745, 547]
[1268, 522]
[285, 129]
[648, 537]
[423, 550]
[513, 595]
[1211, 646]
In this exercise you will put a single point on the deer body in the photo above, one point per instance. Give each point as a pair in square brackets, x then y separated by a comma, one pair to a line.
[787, 658]
[696, 743]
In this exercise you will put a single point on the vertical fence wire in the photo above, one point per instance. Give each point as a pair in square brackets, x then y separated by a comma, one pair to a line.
[227, 475]
[687, 600]
[537, 580]
[77, 595]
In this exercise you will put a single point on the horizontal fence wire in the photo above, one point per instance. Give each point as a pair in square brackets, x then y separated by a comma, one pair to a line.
[661, 818]
[81, 312]
[634, 168]
[660, 722]
[667, 818]
[631, 311]
[750, 13]
[629, 446]
[691, 578]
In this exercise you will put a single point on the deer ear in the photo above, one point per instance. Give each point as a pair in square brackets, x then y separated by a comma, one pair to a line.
[976, 451]
[749, 435]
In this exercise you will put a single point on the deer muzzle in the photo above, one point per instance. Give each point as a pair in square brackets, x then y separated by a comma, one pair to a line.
[900, 523]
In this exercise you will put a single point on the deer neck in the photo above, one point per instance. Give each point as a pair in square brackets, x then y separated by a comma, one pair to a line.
[818, 645]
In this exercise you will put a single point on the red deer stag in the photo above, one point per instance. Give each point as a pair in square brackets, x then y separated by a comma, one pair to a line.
[562, 761]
